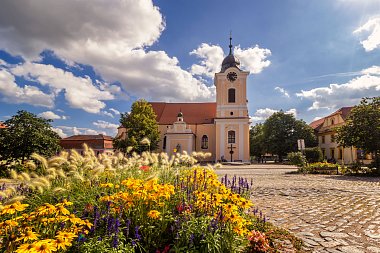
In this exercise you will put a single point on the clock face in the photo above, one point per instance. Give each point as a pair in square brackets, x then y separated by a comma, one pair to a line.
[232, 76]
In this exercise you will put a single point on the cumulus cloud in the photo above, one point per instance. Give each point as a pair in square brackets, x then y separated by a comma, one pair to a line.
[282, 91]
[59, 132]
[101, 124]
[73, 130]
[263, 114]
[105, 36]
[372, 30]
[10, 92]
[374, 70]
[252, 59]
[211, 57]
[79, 92]
[50, 115]
[335, 96]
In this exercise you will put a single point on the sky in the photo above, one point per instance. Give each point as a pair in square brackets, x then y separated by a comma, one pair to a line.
[82, 63]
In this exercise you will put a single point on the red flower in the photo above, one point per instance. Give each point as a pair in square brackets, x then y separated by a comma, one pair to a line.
[144, 168]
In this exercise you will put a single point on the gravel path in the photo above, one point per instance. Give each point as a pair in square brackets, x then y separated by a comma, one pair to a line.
[330, 213]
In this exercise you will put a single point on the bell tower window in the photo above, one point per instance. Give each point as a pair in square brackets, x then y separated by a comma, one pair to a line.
[231, 95]
[231, 136]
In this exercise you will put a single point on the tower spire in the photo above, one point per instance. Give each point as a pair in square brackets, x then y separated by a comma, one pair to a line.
[230, 46]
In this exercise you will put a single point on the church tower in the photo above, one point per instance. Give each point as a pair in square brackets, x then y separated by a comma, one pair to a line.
[232, 118]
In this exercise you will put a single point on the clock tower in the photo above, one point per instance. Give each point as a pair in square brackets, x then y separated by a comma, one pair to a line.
[232, 118]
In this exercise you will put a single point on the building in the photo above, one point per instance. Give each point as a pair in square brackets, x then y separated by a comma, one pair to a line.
[221, 127]
[99, 143]
[2, 125]
[325, 130]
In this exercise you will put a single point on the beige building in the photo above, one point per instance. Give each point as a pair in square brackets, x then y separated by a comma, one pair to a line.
[221, 127]
[325, 130]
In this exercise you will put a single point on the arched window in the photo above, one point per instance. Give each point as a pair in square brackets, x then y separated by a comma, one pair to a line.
[231, 95]
[204, 144]
[231, 136]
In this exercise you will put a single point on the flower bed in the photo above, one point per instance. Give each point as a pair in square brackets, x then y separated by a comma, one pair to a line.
[148, 203]
[320, 168]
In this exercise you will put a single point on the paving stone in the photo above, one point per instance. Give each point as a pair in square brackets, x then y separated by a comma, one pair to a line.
[351, 249]
[346, 207]
[330, 244]
[334, 235]
[310, 242]
[373, 249]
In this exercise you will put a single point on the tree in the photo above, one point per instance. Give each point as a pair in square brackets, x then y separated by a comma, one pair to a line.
[256, 140]
[362, 128]
[26, 134]
[281, 132]
[140, 123]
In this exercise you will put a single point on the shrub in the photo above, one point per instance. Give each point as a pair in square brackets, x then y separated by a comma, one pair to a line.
[296, 158]
[320, 168]
[313, 155]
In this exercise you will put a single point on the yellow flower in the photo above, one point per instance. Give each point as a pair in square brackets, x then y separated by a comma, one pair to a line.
[44, 246]
[11, 223]
[63, 210]
[29, 235]
[12, 208]
[61, 243]
[65, 235]
[26, 248]
[107, 185]
[154, 214]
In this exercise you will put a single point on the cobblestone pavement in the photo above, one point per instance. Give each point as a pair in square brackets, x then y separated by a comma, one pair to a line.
[330, 213]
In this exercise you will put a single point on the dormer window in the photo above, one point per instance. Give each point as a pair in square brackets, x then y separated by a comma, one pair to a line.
[231, 95]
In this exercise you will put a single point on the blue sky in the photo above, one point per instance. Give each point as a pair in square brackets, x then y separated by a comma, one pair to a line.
[81, 63]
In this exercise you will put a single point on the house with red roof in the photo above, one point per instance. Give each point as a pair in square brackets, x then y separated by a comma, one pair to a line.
[99, 143]
[325, 130]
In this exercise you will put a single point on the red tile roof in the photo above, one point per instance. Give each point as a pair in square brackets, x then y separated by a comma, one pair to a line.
[88, 137]
[2, 125]
[315, 124]
[344, 112]
[193, 113]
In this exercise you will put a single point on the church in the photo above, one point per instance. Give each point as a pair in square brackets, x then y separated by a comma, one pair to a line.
[221, 127]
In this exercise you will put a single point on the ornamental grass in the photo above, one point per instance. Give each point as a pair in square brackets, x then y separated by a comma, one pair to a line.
[127, 203]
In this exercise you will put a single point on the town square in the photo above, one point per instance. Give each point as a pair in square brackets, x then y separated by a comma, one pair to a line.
[190, 126]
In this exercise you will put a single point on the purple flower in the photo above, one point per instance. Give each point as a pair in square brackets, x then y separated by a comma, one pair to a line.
[137, 235]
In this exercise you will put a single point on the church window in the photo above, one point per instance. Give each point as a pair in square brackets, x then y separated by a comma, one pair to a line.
[164, 143]
[231, 136]
[231, 113]
[204, 144]
[231, 95]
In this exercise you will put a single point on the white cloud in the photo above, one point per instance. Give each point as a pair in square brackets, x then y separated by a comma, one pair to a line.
[263, 114]
[113, 38]
[50, 115]
[317, 118]
[116, 112]
[374, 70]
[2, 62]
[10, 92]
[211, 59]
[59, 132]
[372, 29]
[79, 92]
[347, 94]
[283, 91]
[107, 114]
[101, 124]
[252, 59]
[72, 130]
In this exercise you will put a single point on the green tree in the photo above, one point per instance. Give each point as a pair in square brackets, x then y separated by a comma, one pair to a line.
[140, 123]
[26, 134]
[281, 132]
[256, 140]
[362, 128]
